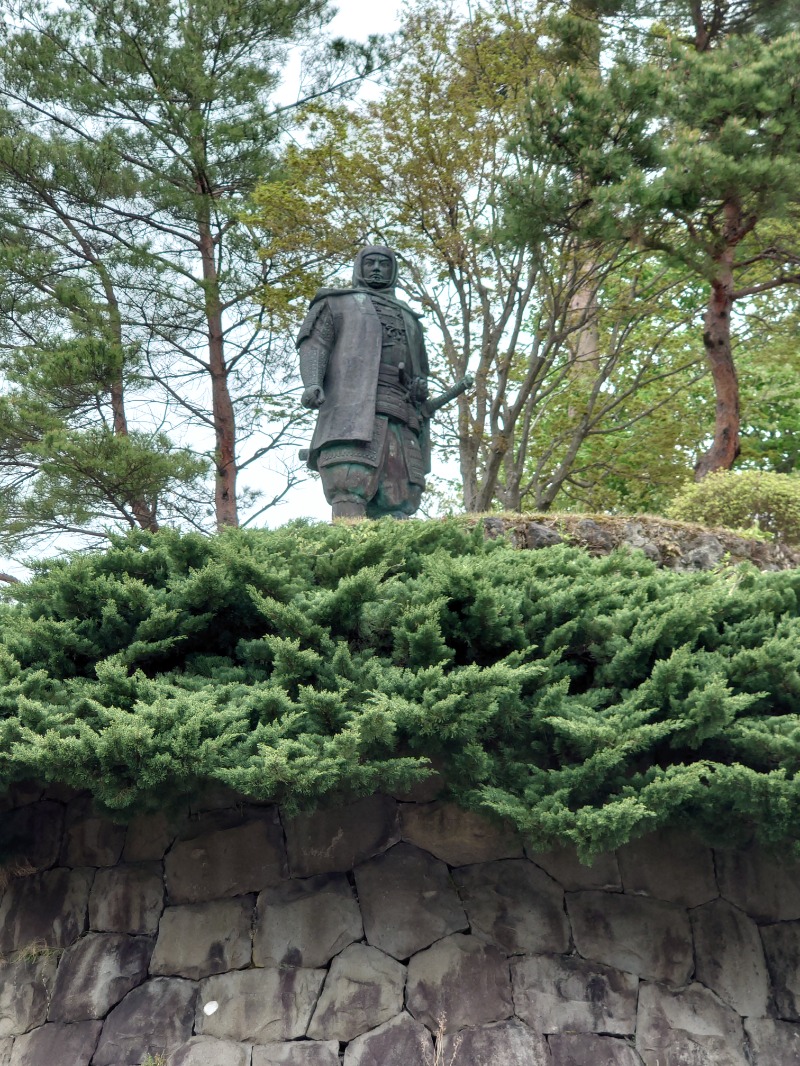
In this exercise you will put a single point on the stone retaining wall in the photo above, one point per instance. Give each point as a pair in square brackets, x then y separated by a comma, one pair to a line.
[234, 937]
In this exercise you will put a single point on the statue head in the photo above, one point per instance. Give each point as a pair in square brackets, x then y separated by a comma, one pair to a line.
[375, 268]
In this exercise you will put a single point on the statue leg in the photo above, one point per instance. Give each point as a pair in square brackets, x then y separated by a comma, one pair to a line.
[401, 482]
[348, 487]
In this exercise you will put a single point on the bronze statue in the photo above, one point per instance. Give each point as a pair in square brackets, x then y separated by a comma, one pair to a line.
[364, 368]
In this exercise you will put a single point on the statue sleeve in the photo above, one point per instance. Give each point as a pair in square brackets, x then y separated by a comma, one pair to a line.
[315, 342]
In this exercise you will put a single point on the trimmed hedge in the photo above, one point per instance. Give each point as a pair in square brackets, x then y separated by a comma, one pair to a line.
[589, 700]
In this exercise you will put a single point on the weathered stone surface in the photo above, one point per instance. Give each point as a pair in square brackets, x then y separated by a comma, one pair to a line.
[582, 1049]
[407, 901]
[230, 862]
[510, 1043]
[25, 990]
[669, 865]
[127, 899]
[306, 922]
[89, 839]
[564, 866]
[461, 981]
[773, 1043]
[56, 1045]
[31, 837]
[539, 536]
[260, 1006]
[154, 1019]
[687, 1028]
[304, 1053]
[208, 1051]
[647, 937]
[336, 840]
[199, 939]
[729, 957]
[764, 887]
[399, 1042]
[363, 989]
[555, 994]
[6, 1044]
[148, 837]
[514, 904]
[95, 973]
[456, 836]
[782, 949]
[47, 910]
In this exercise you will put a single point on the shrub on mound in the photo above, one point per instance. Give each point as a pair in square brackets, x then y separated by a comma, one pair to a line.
[588, 699]
[749, 500]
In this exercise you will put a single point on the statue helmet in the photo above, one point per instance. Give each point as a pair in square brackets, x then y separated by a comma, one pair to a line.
[373, 249]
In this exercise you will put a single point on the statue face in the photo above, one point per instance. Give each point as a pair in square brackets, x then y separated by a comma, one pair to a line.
[376, 270]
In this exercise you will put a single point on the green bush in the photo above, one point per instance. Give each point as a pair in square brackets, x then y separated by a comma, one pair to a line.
[744, 500]
[588, 699]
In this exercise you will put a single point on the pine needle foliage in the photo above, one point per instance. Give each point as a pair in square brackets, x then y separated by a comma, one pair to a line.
[589, 700]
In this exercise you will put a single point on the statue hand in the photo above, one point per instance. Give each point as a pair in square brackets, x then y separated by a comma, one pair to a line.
[313, 397]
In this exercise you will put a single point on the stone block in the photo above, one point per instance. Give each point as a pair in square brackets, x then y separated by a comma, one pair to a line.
[127, 899]
[730, 958]
[647, 937]
[426, 790]
[6, 1045]
[691, 1027]
[89, 838]
[510, 1043]
[407, 900]
[208, 1051]
[363, 989]
[782, 950]
[260, 1006]
[199, 939]
[25, 990]
[96, 973]
[669, 865]
[458, 837]
[299, 1053]
[564, 866]
[47, 910]
[773, 1043]
[148, 837]
[760, 884]
[227, 862]
[56, 1044]
[305, 922]
[31, 837]
[515, 905]
[154, 1019]
[555, 994]
[459, 981]
[339, 838]
[581, 1049]
[399, 1042]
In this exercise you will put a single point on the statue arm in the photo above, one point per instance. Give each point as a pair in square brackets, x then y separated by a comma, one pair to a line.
[314, 349]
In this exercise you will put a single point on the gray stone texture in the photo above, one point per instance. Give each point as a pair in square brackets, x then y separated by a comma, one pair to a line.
[25, 990]
[399, 1042]
[90, 839]
[669, 865]
[306, 922]
[261, 1006]
[782, 950]
[303, 1053]
[337, 839]
[459, 981]
[148, 837]
[507, 1043]
[407, 900]
[32, 836]
[458, 837]
[127, 899]
[56, 1044]
[773, 1043]
[96, 973]
[515, 905]
[6, 1044]
[154, 1019]
[647, 937]
[46, 910]
[564, 866]
[227, 862]
[363, 989]
[691, 1027]
[760, 884]
[208, 1051]
[587, 1049]
[199, 939]
[553, 994]
[730, 958]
